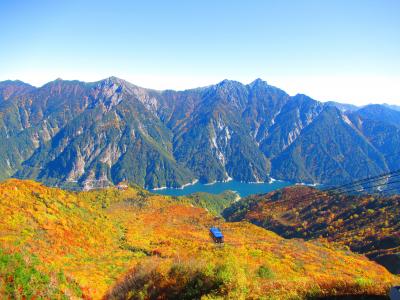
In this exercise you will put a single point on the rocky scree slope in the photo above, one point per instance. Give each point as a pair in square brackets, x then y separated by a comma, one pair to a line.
[75, 134]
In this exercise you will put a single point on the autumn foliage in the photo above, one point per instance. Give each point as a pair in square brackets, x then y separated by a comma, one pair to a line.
[130, 244]
[367, 224]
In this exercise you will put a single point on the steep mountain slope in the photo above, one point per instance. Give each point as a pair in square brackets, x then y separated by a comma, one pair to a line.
[380, 113]
[120, 131]
[214, 204]
[117, 243]
[85, 135]
[10, 89]
[289, 124]
[114, 139]
[33, 118]
[329, 150]
[381, 127]
[367, 224]
[215, 142]
[391, 106]
[343, 106]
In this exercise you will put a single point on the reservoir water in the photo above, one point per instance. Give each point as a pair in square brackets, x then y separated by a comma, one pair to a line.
[242, 188]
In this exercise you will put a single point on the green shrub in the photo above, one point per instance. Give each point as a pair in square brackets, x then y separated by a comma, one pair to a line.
[182, 281]
[265, 272]
[21, 279]
[363, 282]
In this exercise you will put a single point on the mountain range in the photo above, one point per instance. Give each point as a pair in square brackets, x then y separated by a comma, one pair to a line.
[74, 134]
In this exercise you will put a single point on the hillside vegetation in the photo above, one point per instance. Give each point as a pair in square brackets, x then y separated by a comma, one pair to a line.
[215, 204]
[367, 224]
[76, 134]
[132, 244]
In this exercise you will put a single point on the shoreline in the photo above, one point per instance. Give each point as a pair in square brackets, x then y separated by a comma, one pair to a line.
[229, 179]
[242, 189]
[175, 188]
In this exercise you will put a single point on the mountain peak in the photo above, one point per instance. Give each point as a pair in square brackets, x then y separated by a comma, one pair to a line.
[61, 82]
[114, 79]
[15, 82]
[257, 82]
[228, 84]
[10, 88]
[226, 81]
[302, 97]
[55, 81]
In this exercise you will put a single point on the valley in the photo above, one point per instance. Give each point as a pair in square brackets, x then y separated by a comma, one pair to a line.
[367, 224]
[129, 243]
[200, 150]
[87, 135]
[243, 189]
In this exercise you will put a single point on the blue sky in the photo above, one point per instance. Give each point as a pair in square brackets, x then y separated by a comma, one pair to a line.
[331, 50]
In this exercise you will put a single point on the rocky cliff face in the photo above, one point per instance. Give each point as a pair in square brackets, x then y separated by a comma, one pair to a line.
[77, 134]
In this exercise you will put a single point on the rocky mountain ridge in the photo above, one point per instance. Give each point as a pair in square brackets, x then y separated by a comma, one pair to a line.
[85, 135]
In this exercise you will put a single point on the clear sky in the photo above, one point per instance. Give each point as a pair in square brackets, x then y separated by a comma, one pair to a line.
[330, 50]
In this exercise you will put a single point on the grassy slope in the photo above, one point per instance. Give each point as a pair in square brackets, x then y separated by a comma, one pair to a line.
[101, 239]
[215, 204]
[367, 224]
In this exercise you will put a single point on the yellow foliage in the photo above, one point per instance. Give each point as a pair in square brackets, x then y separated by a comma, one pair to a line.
[100, 238]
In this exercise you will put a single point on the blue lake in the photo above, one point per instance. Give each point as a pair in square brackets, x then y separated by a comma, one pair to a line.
[243, 189]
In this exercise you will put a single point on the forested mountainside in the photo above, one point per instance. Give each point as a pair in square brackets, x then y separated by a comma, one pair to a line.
[367, 224]
[130, 244]
[343, 106]
[391, 106]
[75, 134]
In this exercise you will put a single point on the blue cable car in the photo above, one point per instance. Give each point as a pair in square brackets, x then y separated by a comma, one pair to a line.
[216, 235]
